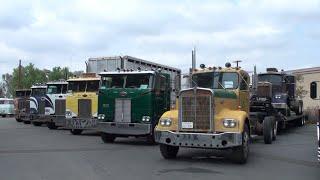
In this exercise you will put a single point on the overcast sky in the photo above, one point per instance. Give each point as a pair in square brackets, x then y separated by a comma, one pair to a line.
[279, 33]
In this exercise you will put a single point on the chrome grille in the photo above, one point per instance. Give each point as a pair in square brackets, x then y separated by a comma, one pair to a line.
[122, 110]
[196, 110]
[41, 106]
[26, 105]
[84, 107]
[60, 107]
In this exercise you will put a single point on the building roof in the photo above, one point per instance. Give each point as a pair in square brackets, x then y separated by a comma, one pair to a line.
[304, 71]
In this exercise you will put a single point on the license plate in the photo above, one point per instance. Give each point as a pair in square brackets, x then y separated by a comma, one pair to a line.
[82, 123]
[187, 125]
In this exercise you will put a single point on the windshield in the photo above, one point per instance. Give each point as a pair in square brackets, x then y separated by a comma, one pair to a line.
[21, 93]
[57, 89]
[38, 91]
[136, 81]
[82, 86]
[275, 79]
[6, 101]
[216, 80]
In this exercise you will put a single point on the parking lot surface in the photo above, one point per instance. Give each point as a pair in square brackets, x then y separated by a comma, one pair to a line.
[28, 152]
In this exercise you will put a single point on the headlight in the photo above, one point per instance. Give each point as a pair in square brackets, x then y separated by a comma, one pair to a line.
[68, 114]
[229, 123]
[145, 118]
[165, 122]
[101, 116]
[278, 96]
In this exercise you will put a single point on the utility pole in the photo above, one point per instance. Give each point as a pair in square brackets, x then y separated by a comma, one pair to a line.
[19, 76]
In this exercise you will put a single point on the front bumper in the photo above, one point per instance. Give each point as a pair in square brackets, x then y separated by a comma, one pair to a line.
[81, 123]
[279, 105]
[133, 129]
[39, 118]
[199, 140]
[59, 120]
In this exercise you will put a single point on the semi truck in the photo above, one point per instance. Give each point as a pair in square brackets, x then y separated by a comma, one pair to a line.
[82, 103]
[56, 94]
[37, 105]
[133, 95]
[274, 104]
[22, 105]
[212, 114]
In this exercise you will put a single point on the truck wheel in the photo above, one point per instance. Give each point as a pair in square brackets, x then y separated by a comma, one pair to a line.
[275, 131]
[268, 127]
[240, 154]
[18, 120]
[37, 123]
[52, 125]
[76, 131]
[107, 138]
[3, 116]
[300, 122]
[26, 122]
[169, 152]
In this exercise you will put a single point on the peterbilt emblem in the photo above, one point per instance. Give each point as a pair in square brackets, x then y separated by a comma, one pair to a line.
[123, 93]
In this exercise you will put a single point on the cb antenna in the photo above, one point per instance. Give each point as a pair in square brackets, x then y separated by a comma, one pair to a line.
[237, 62]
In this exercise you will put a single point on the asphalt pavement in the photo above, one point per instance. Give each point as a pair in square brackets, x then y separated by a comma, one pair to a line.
[37, 153]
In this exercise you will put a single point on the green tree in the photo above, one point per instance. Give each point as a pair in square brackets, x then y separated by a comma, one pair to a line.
[58, 73]
[29, 75]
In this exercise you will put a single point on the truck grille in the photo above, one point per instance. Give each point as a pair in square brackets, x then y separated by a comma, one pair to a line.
[84, 107]
[196, 110]
[41, 106]
[20, 104]
[26, 105]
[60, 107]
[264, 89]
[123, 110]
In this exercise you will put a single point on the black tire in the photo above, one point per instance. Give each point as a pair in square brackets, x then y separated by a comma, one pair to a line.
[107, 138]
[27, 122]
[18, 120]
[37, 123]
[275, 131]
[268, 124]
[76, 131]
[169, 152]
[3, 116]
[240, 154]
[52, 125]
[300, 122]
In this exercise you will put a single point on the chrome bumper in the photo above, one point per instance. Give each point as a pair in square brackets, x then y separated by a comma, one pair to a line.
[134, 129]
[280, 105]
[80, 123]
[199, 140]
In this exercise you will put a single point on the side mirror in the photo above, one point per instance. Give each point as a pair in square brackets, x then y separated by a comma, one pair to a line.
[313, 90]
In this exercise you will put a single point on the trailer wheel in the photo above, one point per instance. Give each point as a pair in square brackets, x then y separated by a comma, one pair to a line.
[268, 127]
[37, 123]
[240, 154]
[107, 138]
[52, 125]
[76, 131]
[169, 152]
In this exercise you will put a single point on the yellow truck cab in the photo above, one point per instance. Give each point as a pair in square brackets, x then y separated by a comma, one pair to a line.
[213, 114]
[82, 103]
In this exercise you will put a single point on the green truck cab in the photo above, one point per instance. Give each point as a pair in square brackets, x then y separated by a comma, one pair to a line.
[130, 103]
